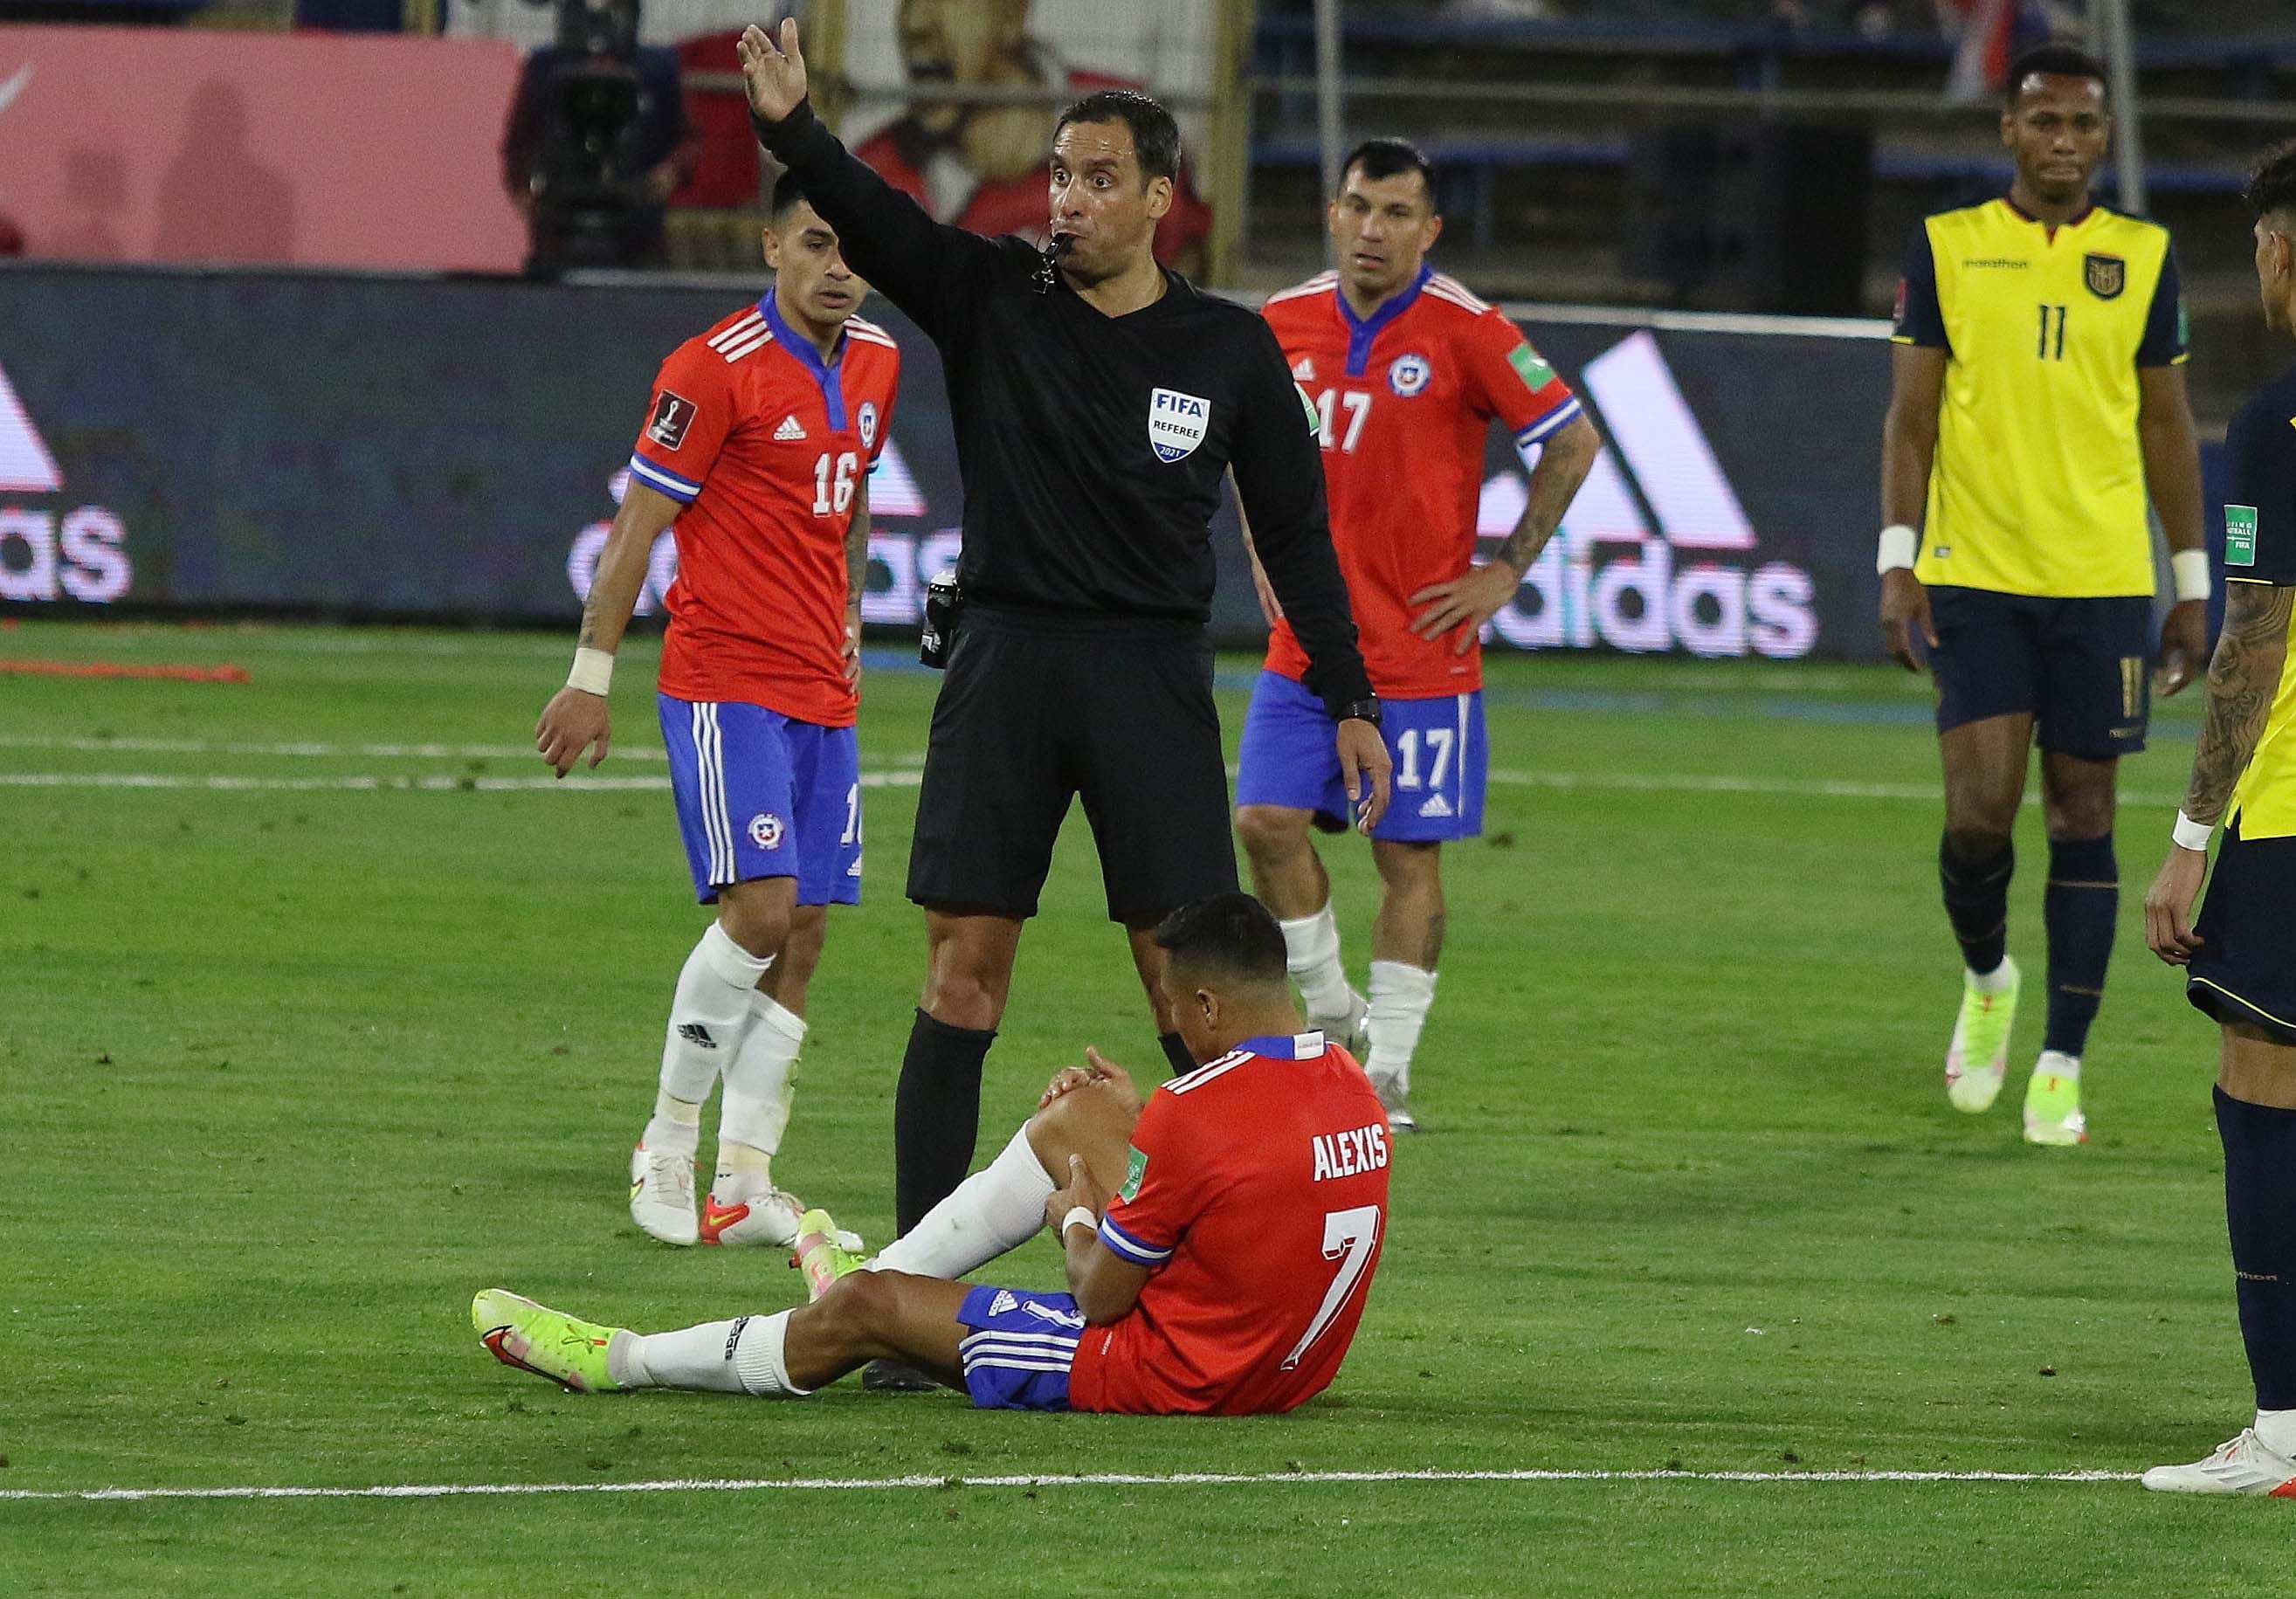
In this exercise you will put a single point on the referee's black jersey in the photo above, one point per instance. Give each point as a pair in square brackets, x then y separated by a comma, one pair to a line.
[1092, 448]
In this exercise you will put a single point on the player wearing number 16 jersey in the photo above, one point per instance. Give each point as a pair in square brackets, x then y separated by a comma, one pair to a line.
[757, 446]
[1406, 371]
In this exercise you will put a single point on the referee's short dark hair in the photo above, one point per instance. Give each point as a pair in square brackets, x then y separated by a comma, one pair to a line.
[1155, 136]
[1389, 158]
[1230, 935]
[2054, 61]
[2272, 181]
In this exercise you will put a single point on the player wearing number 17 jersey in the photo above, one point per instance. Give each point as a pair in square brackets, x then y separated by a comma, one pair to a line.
[1406, 371]
[1219, 1241]
[757, 446]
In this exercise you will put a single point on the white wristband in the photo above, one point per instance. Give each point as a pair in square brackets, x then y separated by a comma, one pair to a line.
[1078, 1215]
[2190, 568]
[1898, 544]
[593, 671]
[2190, 834]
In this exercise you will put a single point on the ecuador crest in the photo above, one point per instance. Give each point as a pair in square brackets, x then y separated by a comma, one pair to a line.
[2107, 275]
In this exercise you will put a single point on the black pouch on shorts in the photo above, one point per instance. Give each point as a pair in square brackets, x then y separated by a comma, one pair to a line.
[944, 610]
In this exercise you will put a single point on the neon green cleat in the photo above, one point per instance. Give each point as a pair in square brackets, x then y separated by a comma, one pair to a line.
[1977, 1062]
[822, 1254]
[2052, 1111]
[549, 1343]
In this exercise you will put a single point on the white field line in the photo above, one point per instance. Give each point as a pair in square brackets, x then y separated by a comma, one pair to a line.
[1807, 788]
[200, 746]
[749, 1484]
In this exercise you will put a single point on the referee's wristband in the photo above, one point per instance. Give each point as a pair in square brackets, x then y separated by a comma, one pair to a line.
[2190, 568]
[1078, 1215]
[1897, 547]
[2190, 834]
[593, 671]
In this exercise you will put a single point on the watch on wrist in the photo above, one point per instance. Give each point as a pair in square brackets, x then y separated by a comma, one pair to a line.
[1362, 710]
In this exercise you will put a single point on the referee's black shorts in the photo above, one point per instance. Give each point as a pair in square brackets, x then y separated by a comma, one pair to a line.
[1037, 710]
[2245, 970]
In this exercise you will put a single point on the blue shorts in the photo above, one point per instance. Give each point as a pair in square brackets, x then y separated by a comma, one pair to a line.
[2081, 668]
[760, 794]
[1442, 762]
[1019, 1359]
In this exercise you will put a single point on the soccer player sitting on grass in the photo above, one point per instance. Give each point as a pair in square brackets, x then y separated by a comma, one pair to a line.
[1225, 1275]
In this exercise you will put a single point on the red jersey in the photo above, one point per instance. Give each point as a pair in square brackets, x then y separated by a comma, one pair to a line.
[1404, 398]
[766, 446]
[1257, 1193]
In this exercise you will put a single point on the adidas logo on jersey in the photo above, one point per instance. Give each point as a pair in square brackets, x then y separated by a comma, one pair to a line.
[1003, 1302]
[1436, 805]
[790, 431]
[1304, 369]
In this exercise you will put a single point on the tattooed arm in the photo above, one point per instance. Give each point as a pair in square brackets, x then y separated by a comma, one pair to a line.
[1469, 601]
[2243, 678]
[576, 720]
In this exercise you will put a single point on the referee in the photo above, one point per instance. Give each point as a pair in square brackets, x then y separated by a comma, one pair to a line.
[1098, 401]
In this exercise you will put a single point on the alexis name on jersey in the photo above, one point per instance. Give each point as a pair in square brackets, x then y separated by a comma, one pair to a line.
[1356, 1150]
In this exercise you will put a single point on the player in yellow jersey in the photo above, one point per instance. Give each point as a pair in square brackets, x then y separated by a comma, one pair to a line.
[2240, 959]
[2039, 394]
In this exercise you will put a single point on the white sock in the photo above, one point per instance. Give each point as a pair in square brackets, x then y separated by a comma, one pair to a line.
[707, 1021]
[1311, 950]
[2056, 1063]
[1400, 996]
[1995, 981]
[2276, 1429]
[759, 1080]
[997, 1208]
[743, 1355]
[676, 1125]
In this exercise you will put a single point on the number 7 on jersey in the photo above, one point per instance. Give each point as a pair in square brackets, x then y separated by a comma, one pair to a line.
[1349, 1233]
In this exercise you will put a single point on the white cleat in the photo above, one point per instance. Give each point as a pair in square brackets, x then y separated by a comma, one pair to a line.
[767, 1219]
[1352, 1031]
[1391, 1098]
[661, 1195]
[2243, 1466]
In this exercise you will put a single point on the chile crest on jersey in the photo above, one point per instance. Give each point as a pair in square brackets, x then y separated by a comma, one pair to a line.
[1176, 423]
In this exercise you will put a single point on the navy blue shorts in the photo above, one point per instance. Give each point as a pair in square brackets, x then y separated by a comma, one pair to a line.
[2245, 970]
[1020, 1355]
[2081, 668]
[760, 794]
[1442, 762]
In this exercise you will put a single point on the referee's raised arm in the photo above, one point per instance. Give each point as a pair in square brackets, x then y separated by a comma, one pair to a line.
[919, 265]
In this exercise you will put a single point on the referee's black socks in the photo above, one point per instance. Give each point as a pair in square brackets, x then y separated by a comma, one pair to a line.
[936, 1115]
[2259, 1145]
[2082, 903]
[1976, 901]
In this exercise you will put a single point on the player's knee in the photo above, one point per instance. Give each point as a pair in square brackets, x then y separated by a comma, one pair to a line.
[855, 1308]
[2079, 816]
[1271, 832]
[758, 923]
[1976, 839]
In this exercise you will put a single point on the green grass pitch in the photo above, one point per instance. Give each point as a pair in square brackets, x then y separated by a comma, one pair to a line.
[289, 1066]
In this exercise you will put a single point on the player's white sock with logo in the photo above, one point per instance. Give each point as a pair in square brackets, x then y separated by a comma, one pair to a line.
[1400, 996]
[707, 1021]
[743, 1355]
[760, 1081]
[1311, 950]
[996, 1209]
